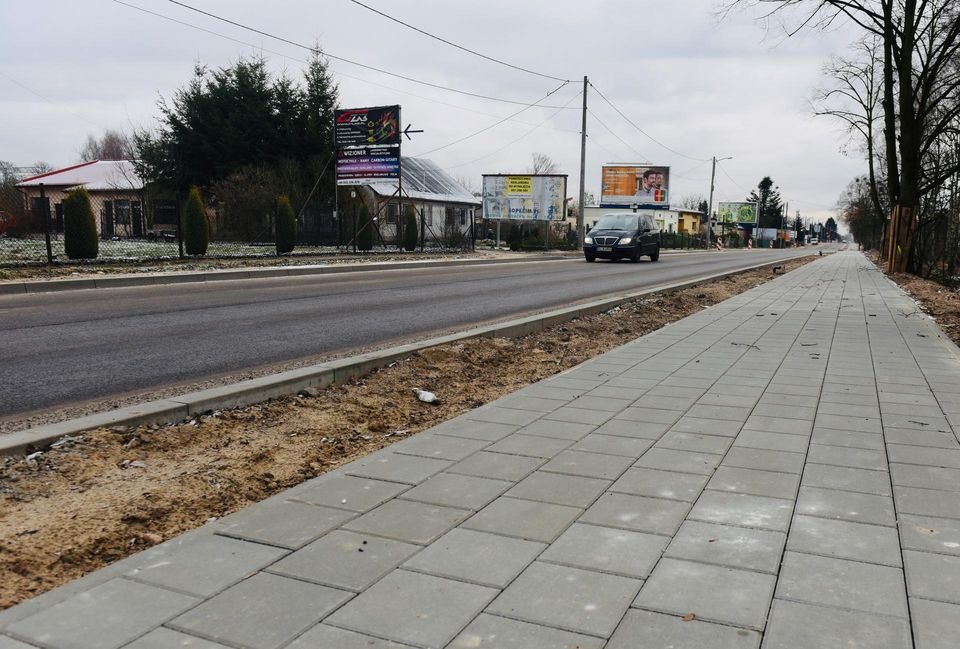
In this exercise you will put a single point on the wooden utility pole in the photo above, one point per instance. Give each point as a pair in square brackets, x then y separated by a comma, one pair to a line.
[583, 166]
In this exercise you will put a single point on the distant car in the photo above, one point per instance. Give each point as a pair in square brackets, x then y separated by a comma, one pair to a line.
[623, 236]
[814, 241]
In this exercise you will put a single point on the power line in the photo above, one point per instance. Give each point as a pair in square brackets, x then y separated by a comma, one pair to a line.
[650, 137]
[335, 57]
[452, 44]
[510, 144]
[498, 123]
[610, 130]
[719, 166]
[691, 170]
[334, 70]
[50, 101]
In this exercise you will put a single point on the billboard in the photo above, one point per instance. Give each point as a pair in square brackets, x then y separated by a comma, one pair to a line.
[361, 165]
[626, 185]
[368, 144]
[743, 213]
[376, 126]
[525, 197]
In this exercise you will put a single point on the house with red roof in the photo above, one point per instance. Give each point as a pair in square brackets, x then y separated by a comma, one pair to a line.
[116, 193]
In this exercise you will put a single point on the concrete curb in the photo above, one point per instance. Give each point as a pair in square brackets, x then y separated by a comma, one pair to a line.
[175, 409]
[160, 279]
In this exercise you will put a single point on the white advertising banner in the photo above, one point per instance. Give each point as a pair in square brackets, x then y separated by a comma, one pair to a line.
[524, 197]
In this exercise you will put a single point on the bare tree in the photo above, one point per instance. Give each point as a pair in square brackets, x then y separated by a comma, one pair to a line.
[40, 167]
[469, 184]
[541, 163]
[692, 202]
[920, 43]
[854, 98]
[112, 145]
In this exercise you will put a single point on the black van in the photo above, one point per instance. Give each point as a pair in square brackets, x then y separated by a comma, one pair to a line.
[623, 236]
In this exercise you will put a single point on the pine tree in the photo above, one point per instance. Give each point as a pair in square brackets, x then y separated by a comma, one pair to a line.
[769, 204]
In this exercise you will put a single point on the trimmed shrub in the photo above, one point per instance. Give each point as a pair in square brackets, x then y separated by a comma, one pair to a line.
[79, 226]
[515, 237]
[286, 226]
[196, 226]
[364, 229]
[410, 234]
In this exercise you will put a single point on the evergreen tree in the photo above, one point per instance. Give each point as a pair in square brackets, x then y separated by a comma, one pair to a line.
[196, 227]
[830, 230]
[286, 226]
[410, 234]
[364, 229]
[234, 117]
[79, 226]
[769, 204]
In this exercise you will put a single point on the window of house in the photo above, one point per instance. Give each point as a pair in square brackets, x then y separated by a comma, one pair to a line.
[393, 212]
[463, 216]
[121, 212]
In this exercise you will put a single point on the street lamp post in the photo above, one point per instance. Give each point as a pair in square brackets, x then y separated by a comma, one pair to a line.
[713, 175]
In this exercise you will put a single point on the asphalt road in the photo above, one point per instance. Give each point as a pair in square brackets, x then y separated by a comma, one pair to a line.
[65, 348]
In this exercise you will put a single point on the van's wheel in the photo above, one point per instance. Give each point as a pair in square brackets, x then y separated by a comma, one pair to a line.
[590, 258]
[655, 255]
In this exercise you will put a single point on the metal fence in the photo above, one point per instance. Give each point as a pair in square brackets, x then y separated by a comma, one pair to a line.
[132, 227]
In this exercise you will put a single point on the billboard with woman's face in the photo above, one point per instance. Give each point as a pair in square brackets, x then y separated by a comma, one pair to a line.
[626, 185]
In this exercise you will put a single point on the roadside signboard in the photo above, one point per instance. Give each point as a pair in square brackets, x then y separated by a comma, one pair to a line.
[368, 144]
[743, 213]
[359, 166]
[628, 185]
[524, 197]
[377, 126]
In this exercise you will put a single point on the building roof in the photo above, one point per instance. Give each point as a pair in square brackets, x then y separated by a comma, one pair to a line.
[424, 180]
[96, 175]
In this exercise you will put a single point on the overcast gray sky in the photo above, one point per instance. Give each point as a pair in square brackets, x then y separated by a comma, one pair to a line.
[700, 86]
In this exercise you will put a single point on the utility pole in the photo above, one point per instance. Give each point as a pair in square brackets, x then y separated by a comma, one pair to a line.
[583, 166]
[713, 174]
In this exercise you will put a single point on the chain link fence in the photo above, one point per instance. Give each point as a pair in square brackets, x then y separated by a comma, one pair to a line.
[134, 226]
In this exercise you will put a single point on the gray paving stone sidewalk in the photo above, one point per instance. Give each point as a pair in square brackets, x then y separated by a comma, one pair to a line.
[781, 470]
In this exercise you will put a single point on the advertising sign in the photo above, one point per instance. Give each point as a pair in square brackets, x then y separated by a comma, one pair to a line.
[626, 185]
[744, 213]
[361, 165]
[524, 198]
[377, 126]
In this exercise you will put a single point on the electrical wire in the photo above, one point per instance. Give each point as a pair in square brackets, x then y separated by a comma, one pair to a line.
[689, 171]
[741, 187]
[499, 122]
[452, 44]
[650, 137]
[509, 144]
[336, 71]
[50, 101]
[611, 131]
[339, 58]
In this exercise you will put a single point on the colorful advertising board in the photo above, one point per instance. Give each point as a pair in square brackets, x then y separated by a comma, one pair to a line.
[362, 165]
[524, 197]
[626, 185]
[743, 213]
[368, 144]
[376, 126]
